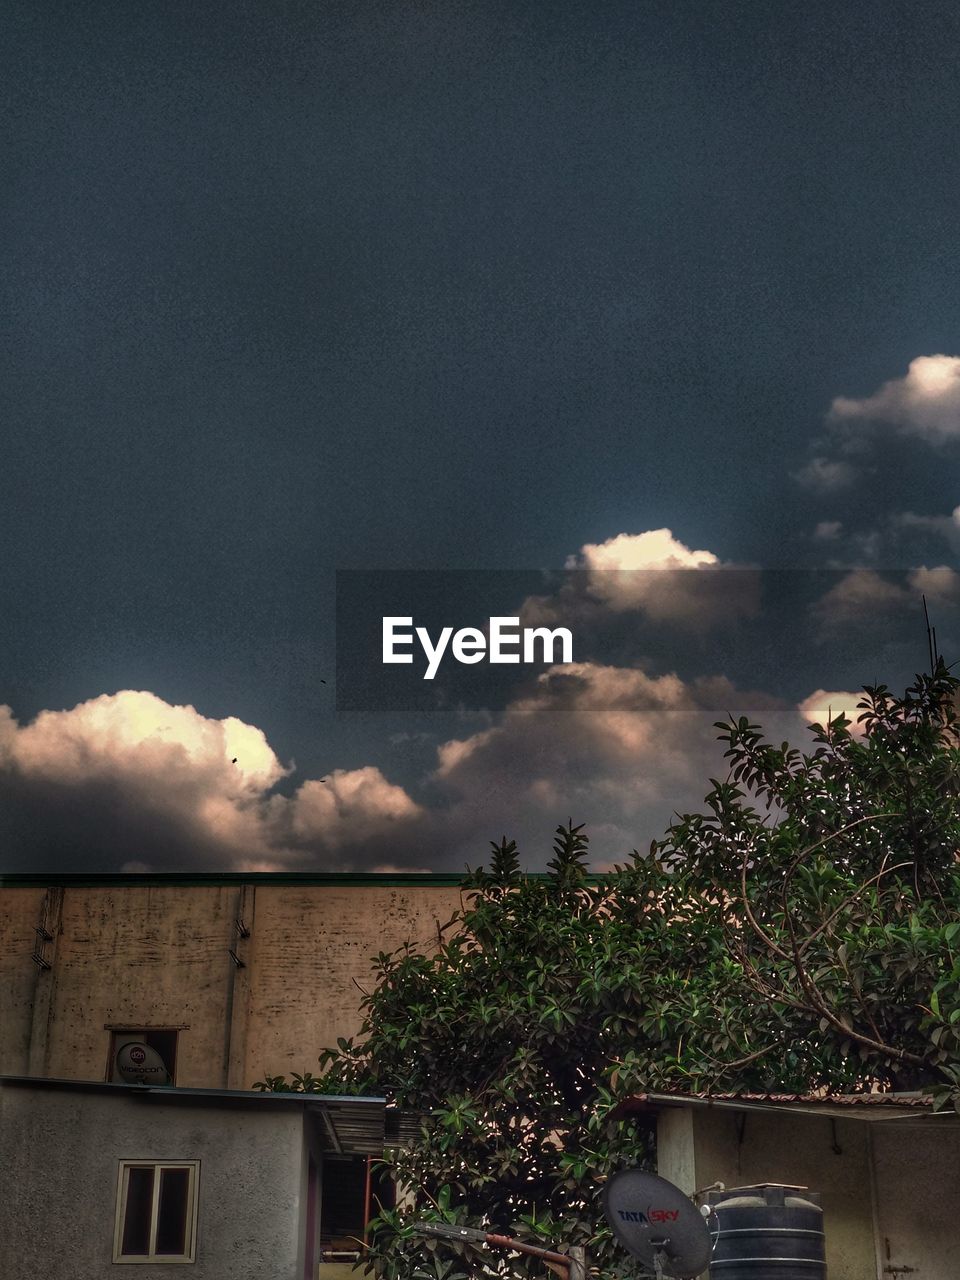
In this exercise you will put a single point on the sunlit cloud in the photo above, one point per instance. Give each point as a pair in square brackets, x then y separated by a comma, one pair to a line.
[823, 706]
[925, 402]
[128, 779]
[652, 573]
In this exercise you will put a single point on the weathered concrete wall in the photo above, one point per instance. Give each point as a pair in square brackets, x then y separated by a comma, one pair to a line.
[917, 1186]
[152, 955]
[159, 955]
[59, 1160]
[310, 960]
[20, 914]
[699, 1146]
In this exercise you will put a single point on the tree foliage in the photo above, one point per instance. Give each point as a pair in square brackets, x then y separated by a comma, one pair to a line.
[800, 933]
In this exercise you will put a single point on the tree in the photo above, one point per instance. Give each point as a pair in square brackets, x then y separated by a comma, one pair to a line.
[501, 1040]
[799, 934]
[831, 907]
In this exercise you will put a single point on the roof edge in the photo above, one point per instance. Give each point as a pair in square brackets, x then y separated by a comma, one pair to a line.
[170, 879]
[180, 1091]
[141, 879]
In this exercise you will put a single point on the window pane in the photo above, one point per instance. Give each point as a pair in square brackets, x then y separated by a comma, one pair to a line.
[136, 1222]
[172, 1213]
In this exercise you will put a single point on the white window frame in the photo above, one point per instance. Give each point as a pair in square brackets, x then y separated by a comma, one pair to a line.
[190, 1234]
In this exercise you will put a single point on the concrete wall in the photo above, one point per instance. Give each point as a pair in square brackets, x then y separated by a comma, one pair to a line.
[698, 1146]
[59, 1161]
[917, 1188]
[159, 955]
[20, 915]
[310, 954]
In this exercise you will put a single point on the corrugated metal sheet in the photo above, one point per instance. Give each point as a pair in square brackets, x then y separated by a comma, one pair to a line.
[353, 1126]
[858, 1106]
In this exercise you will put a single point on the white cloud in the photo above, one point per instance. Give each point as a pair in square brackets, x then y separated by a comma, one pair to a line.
[138, 735]
[650, 572]
[133, 780]
[127, 780]
[925, 402]
[655, 549]
[350, 806]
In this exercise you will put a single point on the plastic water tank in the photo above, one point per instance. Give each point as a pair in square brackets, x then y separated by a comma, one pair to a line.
[767, 1232]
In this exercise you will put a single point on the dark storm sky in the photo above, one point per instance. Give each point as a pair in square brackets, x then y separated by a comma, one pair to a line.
[297, 287]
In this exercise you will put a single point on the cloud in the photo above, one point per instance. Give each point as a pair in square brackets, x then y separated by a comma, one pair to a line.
[828, 531]
[822, 706]
[924, 403]
[859, 595]
[129, 779]
[652, 573]
[611, 746]
[142, 737]
[826, 475]
[350, 807]
[940, 585]
[625, 573]
[864, 596]
[945, 527]
[655, 549]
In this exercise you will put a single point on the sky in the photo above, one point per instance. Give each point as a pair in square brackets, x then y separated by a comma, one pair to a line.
[665, 295]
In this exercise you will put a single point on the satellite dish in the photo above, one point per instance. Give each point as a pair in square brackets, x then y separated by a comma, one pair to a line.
[657, 1223]
[139, 1064]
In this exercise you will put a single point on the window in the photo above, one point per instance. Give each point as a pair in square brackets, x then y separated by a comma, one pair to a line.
[156, 1211]
[163, 1041]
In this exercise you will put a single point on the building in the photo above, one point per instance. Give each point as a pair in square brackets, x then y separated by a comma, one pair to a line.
[232, 1182]
[230, 978]
[887, 1168]
[227, 979]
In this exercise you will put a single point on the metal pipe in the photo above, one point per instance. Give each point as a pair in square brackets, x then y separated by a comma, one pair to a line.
[366, 1204]
[573, 1263]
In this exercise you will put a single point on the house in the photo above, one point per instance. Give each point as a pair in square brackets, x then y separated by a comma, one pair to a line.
[239, 1185]
[887, 1167]
[211, 982]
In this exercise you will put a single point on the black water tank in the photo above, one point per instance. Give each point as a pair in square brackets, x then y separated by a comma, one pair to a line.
[767, 1233]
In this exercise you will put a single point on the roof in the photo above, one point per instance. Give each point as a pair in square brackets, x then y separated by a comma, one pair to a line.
[854, 1106]
[351, 1126]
